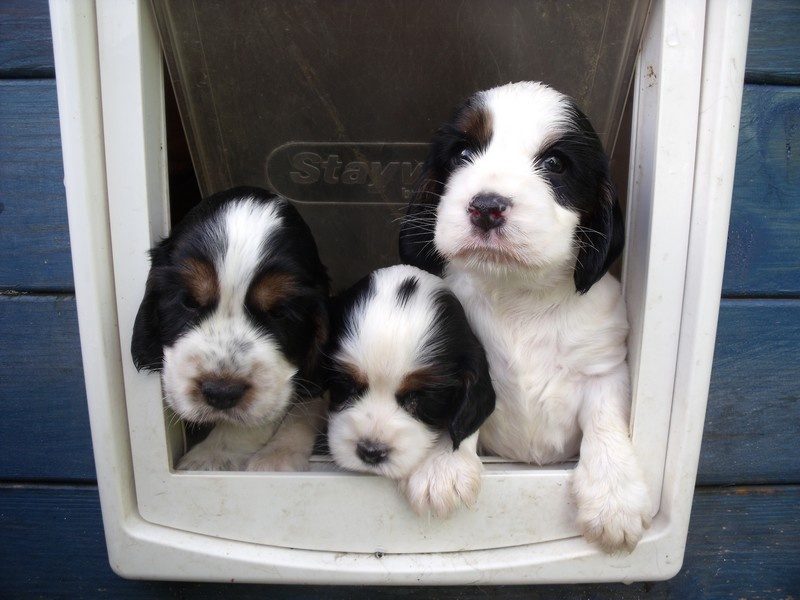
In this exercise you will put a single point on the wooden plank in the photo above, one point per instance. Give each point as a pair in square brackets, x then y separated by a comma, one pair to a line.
[34, 236]
[764, 235]
[743, 543]
[753, 411]
[45, 424]
[772, 57]
[26, 47]
[772, 53]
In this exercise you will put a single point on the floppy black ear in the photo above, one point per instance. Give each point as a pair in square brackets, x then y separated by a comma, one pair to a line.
[311, 380]
[477, 396]
[146, 346]
[416, 233]
[600, 238]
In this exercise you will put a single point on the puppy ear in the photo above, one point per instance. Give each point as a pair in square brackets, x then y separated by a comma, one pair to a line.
[600, 238]
[146, 347]
[310, 381]
[477, 396]
[419, 224]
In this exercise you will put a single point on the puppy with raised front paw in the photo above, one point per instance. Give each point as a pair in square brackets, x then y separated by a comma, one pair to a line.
[516, 207]
[409, 388]
[235, 318]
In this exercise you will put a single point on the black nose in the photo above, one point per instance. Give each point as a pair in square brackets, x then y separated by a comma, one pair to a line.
[223, 393]
[372, 453]
[487, 211]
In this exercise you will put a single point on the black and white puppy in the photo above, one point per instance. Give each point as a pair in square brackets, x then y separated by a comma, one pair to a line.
[235, 315]
[409, 388]
[516, 206]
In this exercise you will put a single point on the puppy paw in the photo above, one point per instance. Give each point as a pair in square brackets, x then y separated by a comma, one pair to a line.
[612, 512]
[278, 460]
[202, 459]
[444, 482]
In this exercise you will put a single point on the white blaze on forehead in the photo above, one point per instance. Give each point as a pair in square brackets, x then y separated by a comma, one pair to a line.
[525, 115]
[389, 335]
[247, 228]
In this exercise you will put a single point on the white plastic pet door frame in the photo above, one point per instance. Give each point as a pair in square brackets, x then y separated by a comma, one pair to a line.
[333, 527]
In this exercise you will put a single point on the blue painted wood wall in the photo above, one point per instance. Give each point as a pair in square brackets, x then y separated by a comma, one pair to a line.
[744, 540]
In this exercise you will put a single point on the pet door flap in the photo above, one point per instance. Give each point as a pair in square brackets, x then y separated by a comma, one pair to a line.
[331, 104]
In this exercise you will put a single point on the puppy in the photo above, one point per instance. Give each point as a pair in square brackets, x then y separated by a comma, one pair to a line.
[516, 206]
[409, 387]
[235, 316]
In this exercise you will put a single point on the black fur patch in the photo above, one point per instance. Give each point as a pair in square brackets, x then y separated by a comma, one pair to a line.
[407, 289]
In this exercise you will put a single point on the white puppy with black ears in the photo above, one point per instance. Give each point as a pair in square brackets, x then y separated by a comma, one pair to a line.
[235, 317]
[409, 388]
[515, 205]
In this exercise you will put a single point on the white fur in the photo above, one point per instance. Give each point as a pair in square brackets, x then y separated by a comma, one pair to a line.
[289, 448]
[389, 345]
[227, 448]
[446, 479]
[537, 239]
[281, 445]
[557, 358]
[224, 346]
[378, 417]
[227, 344]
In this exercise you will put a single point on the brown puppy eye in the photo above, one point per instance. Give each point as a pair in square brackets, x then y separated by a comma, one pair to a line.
[279, 312]
[409, 401]
[553, 163]
[189, 301]
[463, 154]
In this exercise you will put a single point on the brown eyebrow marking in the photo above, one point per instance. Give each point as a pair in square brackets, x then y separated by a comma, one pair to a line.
[353, 372]
[201, 281]
[419, 379]
[476, 123]
[271, 289]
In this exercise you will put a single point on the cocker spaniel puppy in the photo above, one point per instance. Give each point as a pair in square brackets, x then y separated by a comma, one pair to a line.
[409, 388]
[235, 317]
[516, 207]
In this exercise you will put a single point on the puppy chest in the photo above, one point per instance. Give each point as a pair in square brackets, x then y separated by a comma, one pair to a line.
[535, 377]
[537, 382]
[535, 419]
[528, 358]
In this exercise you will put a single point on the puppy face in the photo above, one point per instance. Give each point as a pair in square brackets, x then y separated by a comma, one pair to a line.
[235, 310]
[516, 184]
[406, 370]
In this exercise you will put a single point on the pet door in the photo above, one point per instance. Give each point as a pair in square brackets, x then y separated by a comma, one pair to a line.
[332, 105]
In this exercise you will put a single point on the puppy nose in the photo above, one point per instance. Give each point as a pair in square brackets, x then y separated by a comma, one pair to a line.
[372, 453]
[486, 211]
[222, 393]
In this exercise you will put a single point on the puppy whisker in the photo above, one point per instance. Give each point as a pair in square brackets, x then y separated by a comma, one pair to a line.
[583, 229]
